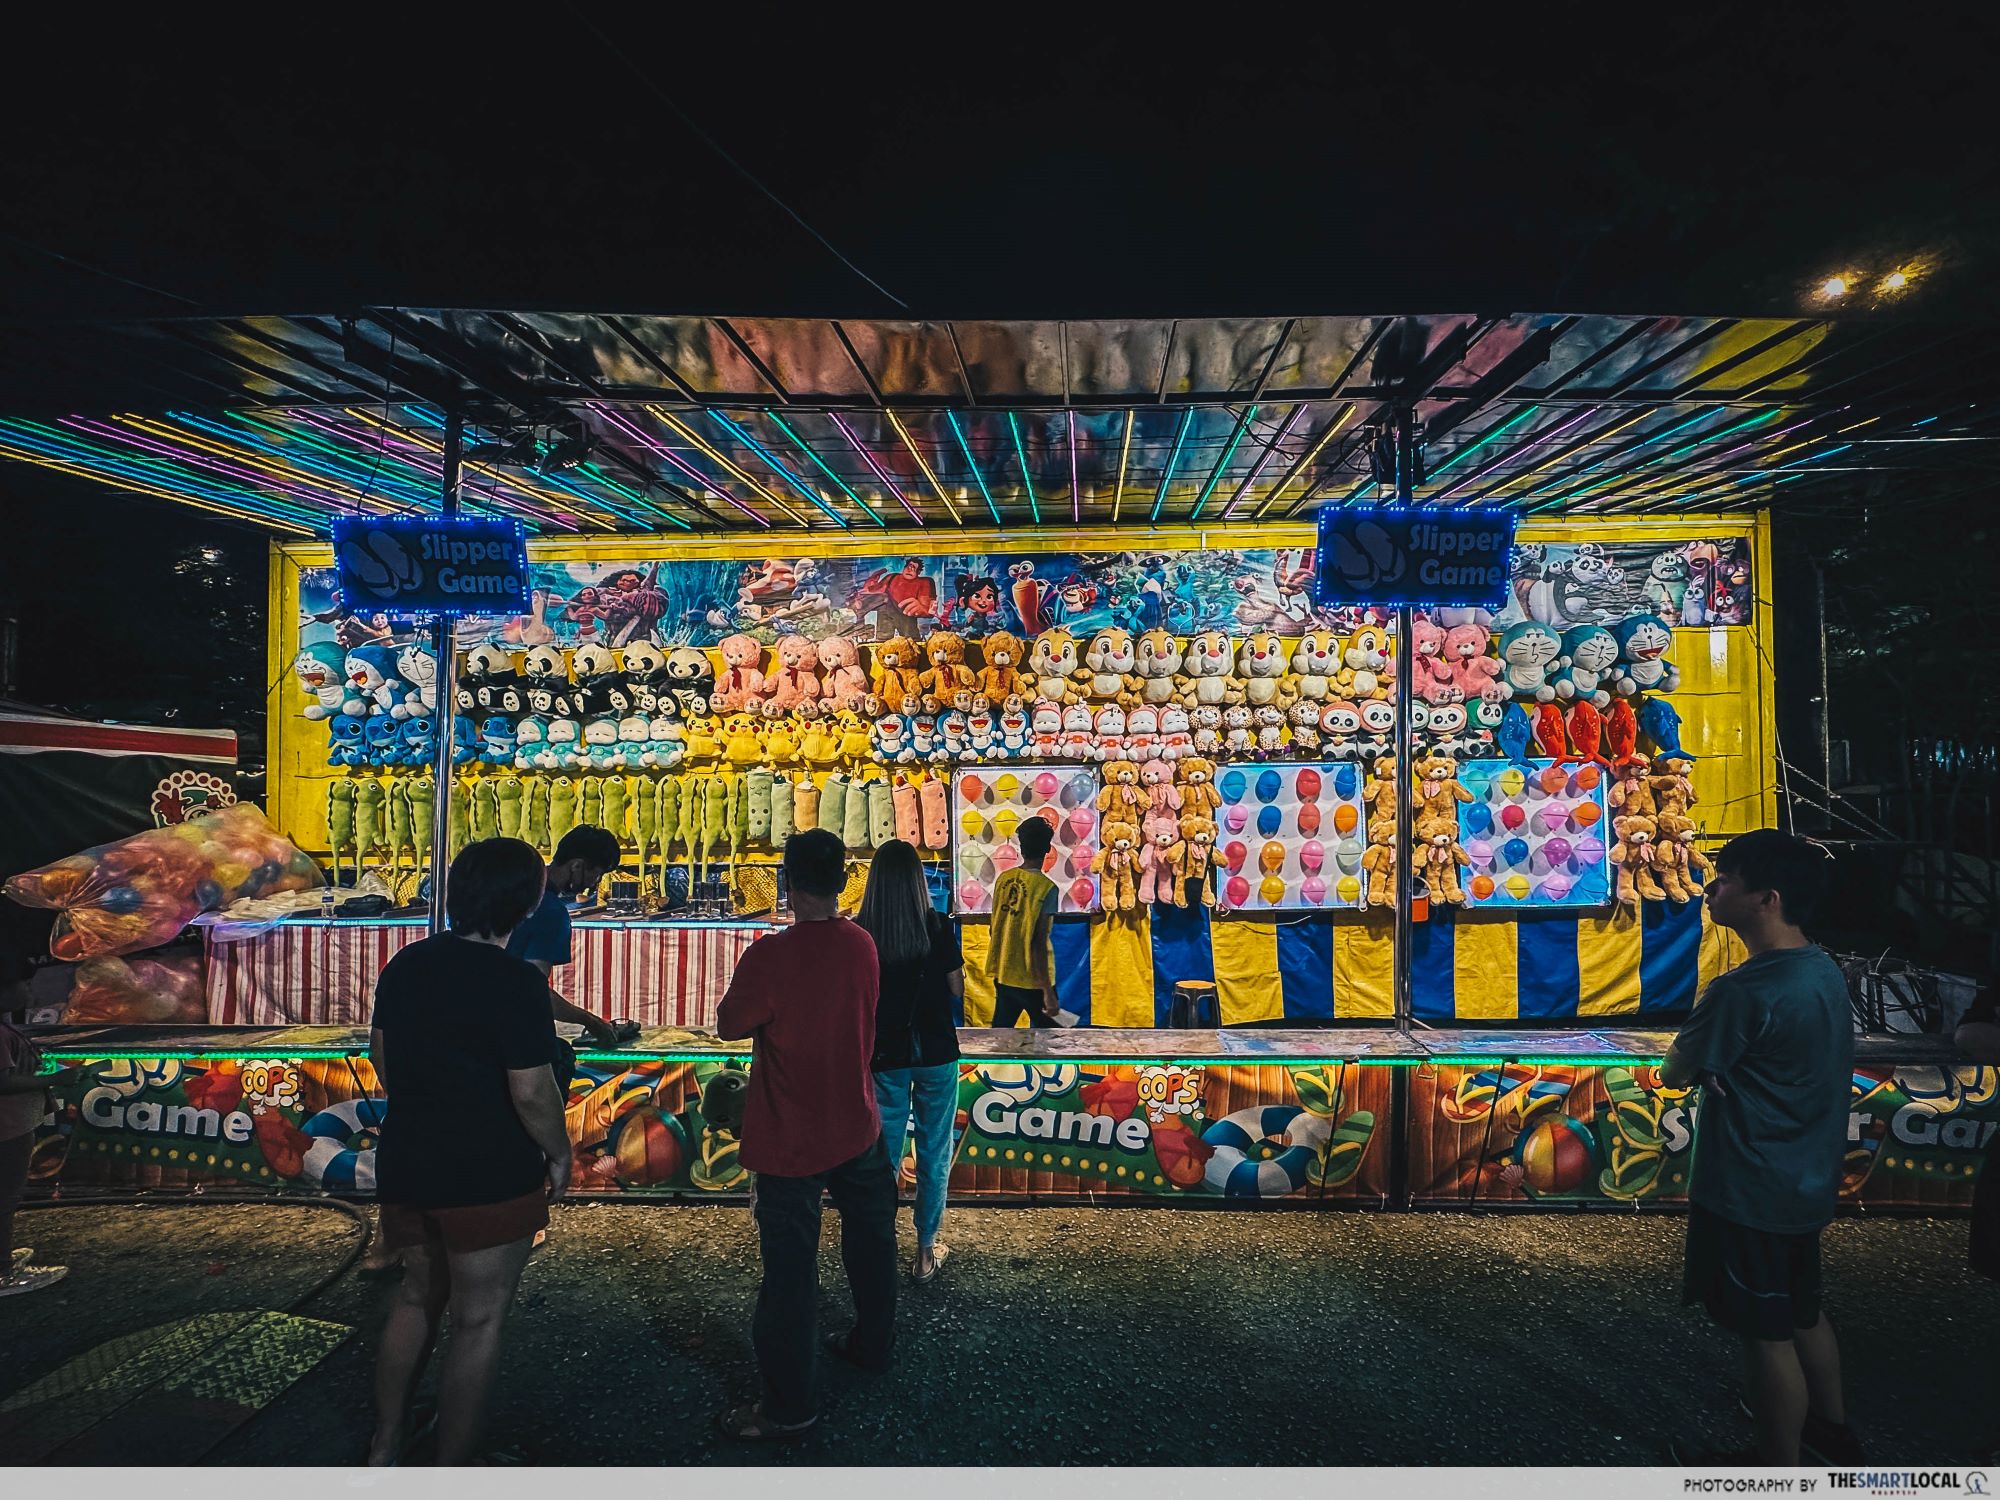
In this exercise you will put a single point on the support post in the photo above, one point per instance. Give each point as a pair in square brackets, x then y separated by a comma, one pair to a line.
[444, 647]
[1406, 678]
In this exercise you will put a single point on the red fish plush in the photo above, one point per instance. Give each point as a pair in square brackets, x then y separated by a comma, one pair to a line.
[1550, 737]
[1621, 731]
[1586, 730]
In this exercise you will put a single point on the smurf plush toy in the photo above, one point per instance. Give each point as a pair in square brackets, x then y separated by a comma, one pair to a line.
[321, 671]
[1643, 644]
[372, 685]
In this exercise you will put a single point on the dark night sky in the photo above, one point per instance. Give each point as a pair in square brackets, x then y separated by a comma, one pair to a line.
[976, 163]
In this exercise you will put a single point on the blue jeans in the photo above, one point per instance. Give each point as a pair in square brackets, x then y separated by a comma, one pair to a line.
[932, 1095]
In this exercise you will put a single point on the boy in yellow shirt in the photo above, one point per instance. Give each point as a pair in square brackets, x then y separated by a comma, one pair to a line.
[1019, 955]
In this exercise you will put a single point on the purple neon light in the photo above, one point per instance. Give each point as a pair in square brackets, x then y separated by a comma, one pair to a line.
[241, 474]
[869, 459]
[708, 485]
[1515, 452]
[1270, 452]
[421, 459]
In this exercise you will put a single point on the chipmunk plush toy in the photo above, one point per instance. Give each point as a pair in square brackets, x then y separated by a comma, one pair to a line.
[1159, 668]
[1260, 664]
[1210, 679]
[1054, 670]
[1112, 664]
[1315, 665]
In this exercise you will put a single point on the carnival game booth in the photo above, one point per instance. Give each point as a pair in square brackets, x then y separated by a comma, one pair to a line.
[1301, 975]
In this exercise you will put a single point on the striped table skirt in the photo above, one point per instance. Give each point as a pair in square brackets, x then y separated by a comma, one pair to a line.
[320, 974]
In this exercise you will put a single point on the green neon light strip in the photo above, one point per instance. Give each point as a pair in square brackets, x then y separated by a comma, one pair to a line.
[1027, 479]
[1474, 447]
[973, 464]
[806, 448]
[1174, 458]
[1227, 454]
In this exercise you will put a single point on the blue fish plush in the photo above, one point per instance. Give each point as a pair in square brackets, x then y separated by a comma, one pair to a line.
[1516, 733]
[1661, 723]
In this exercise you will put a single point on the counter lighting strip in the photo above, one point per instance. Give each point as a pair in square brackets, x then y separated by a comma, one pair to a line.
[323, 1054]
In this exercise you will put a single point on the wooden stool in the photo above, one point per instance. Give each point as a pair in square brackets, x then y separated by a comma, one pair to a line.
[1195, 1005]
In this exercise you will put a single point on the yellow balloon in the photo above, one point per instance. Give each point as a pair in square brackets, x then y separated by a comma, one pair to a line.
[1272, 889]
[1511, 782]
[1006, 787]
[1348, 889]
[1005, 822]
[972, 823]
[1517, 887]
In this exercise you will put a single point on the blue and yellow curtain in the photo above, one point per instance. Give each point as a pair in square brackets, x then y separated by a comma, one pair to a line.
[1119, 969]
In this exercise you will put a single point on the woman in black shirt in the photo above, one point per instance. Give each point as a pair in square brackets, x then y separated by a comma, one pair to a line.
[473, 1148]
[916, 1038]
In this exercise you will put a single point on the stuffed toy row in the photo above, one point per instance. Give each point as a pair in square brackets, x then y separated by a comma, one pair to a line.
[1586, 663]
[1655, 855]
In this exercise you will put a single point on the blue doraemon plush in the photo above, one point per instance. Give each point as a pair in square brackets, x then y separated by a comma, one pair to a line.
[1585, 668]
[344, 739]
[322, 673]
[1528, 653]
[1643, 644]
[416, 667]
[382, 741]
[419, 736]
[372, 684]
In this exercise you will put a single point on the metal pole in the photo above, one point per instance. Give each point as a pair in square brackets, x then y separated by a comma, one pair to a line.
[1825, 700]
[1405, 690]
[444, 648]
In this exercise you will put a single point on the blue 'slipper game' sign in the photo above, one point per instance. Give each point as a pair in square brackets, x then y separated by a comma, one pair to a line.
[415, 565]
[1432, 557]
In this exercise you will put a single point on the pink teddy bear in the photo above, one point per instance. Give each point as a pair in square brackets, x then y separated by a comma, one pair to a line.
[1431, 668]
[795, 682]
[1158, 838]
[1156, 777]
[1473, 673]
[841, 677]
[742, 680]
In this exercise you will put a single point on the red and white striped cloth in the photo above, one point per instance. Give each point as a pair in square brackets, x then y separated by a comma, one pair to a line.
[313, 974]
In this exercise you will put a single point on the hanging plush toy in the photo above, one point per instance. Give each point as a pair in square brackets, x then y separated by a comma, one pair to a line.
[423, 817]
[1551, 734]
[1378, 860]
[1438, 849]
[1193, 853]
[617, 808]
[859, 819]
[781, 810]
[1586, 732]
[645, 823]
[510, 793]
[1632, 789]
[1474, 673]
[1055, 669]
[339, 821]
[562, 808]
[833, 796]
[1117, 864]
[794, 680]
[842, 682]
[1585, 668]
[485, 810]
[806, 798]
[1195, 776]
[908, 819]
[1673, 790]
[1158, 666]
[758, 783]
[1642, 666]
[321, 673]
[1621, 730]
[1159, 838]
[1636, 859]
[1660, 721]
[399, 827]
[896, 674]
[1430, 670]
[458, 832]
[886, 802]
[934, 810]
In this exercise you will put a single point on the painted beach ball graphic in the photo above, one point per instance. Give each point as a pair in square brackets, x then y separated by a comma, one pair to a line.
[1556, 1155]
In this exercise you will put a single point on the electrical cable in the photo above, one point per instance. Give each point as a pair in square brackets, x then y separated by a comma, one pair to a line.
[624, 55]
[382, 448]
[84, 265]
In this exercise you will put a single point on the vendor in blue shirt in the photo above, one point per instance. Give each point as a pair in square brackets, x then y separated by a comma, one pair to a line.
[583, 858]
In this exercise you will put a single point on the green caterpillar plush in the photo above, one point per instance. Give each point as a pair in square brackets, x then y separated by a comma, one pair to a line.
[423, 815]
[535, 821]
[339, 820]
[714, 816]
[758, 785]
[399, 826]
[511, 793]
[833, 804]
[485, 809]
[590, 802]
[781, 811]
[618, 807]
[461, 816]
[646, 817]
[668, 800]
[368, 799]
[562, 809]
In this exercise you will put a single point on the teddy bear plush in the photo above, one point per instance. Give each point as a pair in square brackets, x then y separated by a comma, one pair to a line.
[842, 683]
[1117, 865]
[1632, 790]
[1156, 786]
[896, 674]
[1430, 670]
[1112, 667]
[1680, 861]
[1439, 852]
[1637, 859]
[1475, 673]
[1000, 679]
[1195, 775]
[1159, 835]
[1378, 788]
[1437, 782]
[1260, 664]
[1210, 672]
[1189, 859]
[1673, 792]
[1055, 671]
[1121, 796]
[947, 682]
[794, 680]
[1159, 663]
[742, 679]
[1378, 861]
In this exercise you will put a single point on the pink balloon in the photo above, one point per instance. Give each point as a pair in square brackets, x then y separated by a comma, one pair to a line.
[1555, 887]
[1234, 819]
[1082, 820]
[971, 895]
[1552, 817]
[1313, 889]
[1312, 854]
[1233, 855]
[1045, 785]
[1007, 855]
[1512, 816]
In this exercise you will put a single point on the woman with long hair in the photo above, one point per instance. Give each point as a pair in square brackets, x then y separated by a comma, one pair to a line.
[916, 1037]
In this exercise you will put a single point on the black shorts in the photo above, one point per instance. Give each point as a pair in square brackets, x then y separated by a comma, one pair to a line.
[1755, 1283]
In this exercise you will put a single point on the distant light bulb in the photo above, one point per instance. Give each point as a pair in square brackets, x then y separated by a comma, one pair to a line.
[1895, 281]
[1833, 286]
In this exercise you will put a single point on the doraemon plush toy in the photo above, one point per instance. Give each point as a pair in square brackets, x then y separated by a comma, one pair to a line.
[344, 734]
[1527, 653]
[382, 741]
[1588, 654]
[322, 673]
[1643, 644]
[372, 685]
[419, 737]
[416, 668]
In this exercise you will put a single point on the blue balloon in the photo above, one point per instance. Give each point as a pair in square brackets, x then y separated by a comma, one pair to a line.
[1269, 818]
[121, 899]
[1514, 851]
[1269, 784]
[1346, 780]
[1231, 786]
[1478, 818]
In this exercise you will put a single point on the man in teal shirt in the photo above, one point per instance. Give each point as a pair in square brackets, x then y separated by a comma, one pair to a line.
[1771, 1046]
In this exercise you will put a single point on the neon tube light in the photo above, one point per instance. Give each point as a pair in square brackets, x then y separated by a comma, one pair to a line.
[1173, 458]
[1263, 460]
[806, 448]
[973, 464]
[880, 473]
[1306, 463]
[1027, 479]
[660, 450]
[1228, 453]
[715, 456]
[1124, 456]
[910, 443]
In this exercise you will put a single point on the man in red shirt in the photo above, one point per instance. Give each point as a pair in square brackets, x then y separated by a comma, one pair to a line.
[806, 996]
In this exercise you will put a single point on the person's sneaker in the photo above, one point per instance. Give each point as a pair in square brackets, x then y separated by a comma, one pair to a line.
[32, 1279]
[1824, 1442]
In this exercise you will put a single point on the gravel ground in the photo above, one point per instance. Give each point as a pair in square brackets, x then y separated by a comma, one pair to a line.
[1082, 1336]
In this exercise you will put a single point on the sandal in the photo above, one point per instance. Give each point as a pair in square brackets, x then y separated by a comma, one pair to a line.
[940, 1253]
[748, 1424]
[841, 1347]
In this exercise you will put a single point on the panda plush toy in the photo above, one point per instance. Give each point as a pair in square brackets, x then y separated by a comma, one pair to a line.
[546, 675]
[486, 680]
[690, 677]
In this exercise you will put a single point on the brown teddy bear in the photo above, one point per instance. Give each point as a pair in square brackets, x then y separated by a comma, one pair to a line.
[1196, 775]
[1000, 679]
[1121, 796]
[948, 681]
[1632, 792]
[1191, 856]
[896, 674]
[1437, 780]
[1673, 792]
[1438, 849]
[1378, 788]
[1378, 861]
[1117, 864]
[1679, 859]
[1637, 859]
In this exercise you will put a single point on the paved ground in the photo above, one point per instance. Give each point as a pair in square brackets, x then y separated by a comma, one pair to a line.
[1115, 1336]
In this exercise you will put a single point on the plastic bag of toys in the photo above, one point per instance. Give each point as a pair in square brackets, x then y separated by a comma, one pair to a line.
[155, 989]
[141, 891]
